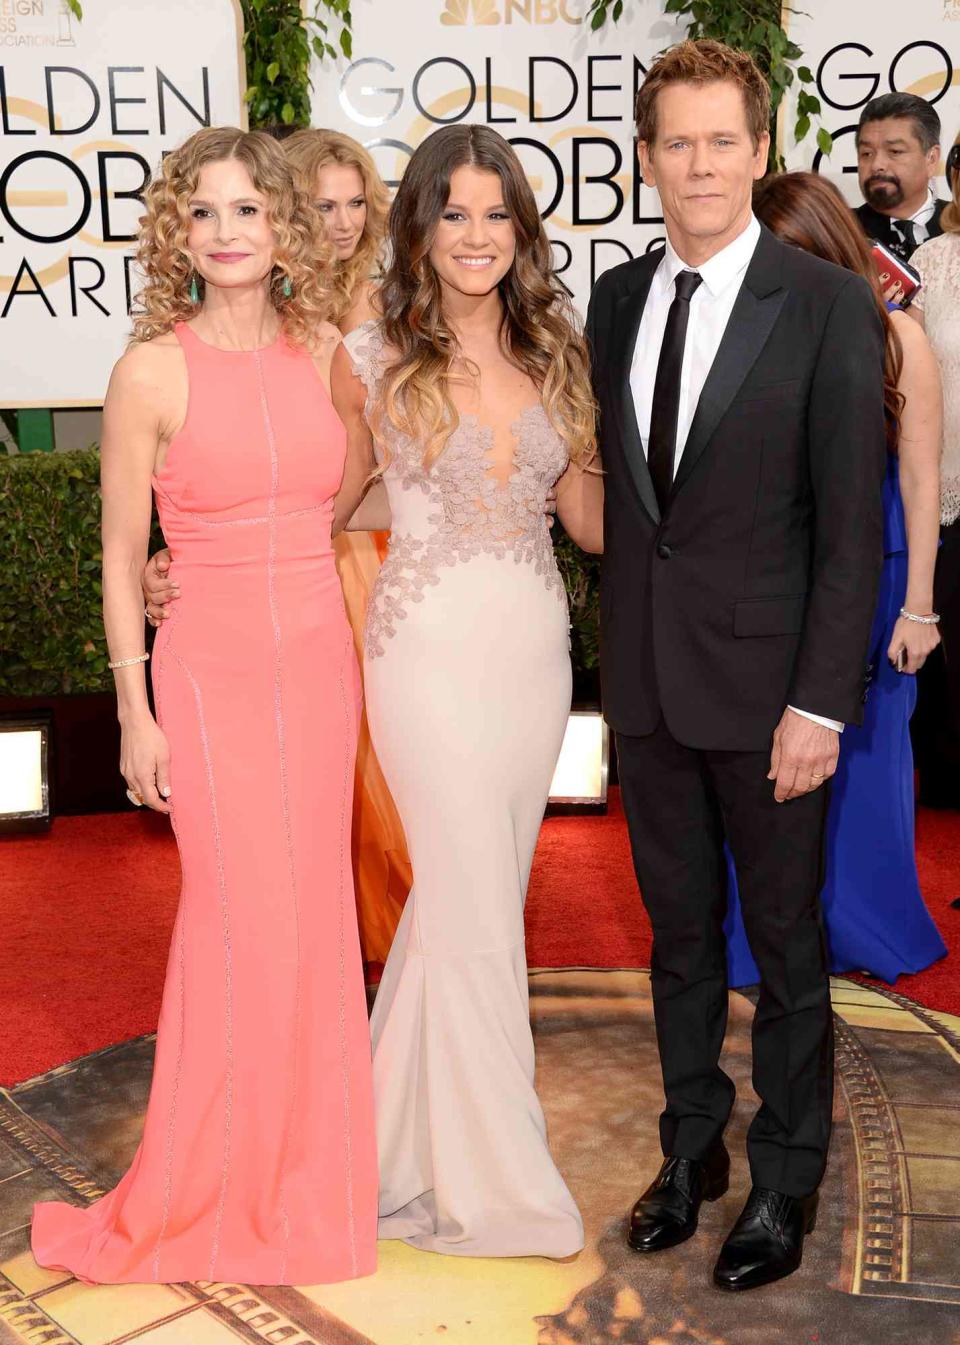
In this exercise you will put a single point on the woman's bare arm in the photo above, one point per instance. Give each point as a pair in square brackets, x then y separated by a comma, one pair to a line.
[373, 512]
[349, 400]
[133, 428]
[580, 505]
[921, 429]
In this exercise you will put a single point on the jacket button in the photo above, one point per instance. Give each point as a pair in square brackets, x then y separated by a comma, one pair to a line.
[664, 551]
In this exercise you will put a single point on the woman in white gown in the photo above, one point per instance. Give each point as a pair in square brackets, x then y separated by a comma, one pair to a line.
[474, 390]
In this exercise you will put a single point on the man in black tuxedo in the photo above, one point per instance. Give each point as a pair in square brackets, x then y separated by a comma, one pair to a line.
[898, 151]
[742, 432]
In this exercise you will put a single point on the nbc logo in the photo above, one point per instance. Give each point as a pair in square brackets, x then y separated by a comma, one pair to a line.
[483, 13]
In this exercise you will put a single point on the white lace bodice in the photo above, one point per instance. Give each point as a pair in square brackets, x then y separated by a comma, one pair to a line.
[938, 262]
[460, 508]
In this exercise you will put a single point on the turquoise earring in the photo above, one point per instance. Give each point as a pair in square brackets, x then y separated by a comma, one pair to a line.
[287, 287]
[194, 290]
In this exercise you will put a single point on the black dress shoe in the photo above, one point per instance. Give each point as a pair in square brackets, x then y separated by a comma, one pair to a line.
[667, 1212]
[766, 1242]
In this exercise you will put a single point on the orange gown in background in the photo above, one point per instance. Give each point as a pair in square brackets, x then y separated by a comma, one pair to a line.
[381, 866]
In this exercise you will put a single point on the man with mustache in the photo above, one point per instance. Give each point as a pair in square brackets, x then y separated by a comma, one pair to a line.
[898, 150]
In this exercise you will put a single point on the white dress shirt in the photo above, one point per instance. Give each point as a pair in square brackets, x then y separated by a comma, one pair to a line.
[710, 310]
[921, 218]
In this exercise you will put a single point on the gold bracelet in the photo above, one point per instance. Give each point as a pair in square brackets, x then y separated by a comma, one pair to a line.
[128, 662]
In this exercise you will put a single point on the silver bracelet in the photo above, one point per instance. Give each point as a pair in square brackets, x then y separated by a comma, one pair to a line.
[932, 620]
[128, 662]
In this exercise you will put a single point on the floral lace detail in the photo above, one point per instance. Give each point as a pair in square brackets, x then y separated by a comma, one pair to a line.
[938, 261]
[472, 512]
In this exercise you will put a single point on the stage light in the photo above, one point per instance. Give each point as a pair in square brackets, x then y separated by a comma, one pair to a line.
[24, 773]
[580, 779]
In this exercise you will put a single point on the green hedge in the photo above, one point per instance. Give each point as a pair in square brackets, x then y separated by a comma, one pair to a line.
[581, 575]
[51, 630]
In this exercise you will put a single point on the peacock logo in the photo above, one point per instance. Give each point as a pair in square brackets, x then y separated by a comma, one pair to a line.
[485, 13]
[456, 13]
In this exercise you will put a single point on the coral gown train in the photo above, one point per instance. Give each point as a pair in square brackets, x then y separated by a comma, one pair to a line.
[258, 1158]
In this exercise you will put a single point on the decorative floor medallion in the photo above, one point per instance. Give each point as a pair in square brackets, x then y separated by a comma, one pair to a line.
[884, 1263]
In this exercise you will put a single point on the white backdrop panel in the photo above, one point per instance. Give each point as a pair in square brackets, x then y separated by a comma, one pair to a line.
[86, 111]
[859, 49]
[533, 71]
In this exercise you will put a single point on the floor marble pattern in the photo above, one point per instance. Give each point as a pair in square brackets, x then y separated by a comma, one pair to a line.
[883, 1265]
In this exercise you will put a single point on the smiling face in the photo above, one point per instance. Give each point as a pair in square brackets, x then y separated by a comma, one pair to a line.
[893, 167]
[703, 163]
[230, 239]
[340, 197]
[475, 242]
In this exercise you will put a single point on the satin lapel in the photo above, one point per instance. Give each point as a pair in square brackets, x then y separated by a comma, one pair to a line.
[629, 312]
[750, 325]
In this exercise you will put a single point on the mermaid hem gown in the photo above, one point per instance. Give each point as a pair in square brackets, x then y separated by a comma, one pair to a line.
[467, 677]
[874, 913]
[258, 1159]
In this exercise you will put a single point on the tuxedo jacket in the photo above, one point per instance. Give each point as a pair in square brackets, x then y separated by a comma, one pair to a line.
[756, 587]
[878, 226]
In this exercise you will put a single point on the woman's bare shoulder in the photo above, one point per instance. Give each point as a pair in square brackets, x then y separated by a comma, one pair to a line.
[149, 362]
[324, 340]
[364, 307]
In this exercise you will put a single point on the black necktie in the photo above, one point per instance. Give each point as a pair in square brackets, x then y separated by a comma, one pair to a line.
[908, 231]
[662, 445]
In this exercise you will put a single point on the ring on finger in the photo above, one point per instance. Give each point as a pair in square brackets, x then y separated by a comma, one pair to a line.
[135, 797]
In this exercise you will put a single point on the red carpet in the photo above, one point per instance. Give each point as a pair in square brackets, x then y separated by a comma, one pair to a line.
[88, 911]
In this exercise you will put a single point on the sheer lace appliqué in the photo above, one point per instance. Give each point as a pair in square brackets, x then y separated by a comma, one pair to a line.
[472, 512]
[938, 261]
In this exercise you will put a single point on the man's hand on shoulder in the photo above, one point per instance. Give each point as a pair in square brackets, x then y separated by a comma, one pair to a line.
[804, 754]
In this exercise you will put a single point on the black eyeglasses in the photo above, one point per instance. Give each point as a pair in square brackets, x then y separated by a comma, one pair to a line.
[953, 162]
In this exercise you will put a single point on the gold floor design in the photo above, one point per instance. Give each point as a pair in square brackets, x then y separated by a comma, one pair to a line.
[884, 1264]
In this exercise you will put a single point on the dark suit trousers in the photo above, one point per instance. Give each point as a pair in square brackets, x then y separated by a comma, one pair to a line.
[680, 803]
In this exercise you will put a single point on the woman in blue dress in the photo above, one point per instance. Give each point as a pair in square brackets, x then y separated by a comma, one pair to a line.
[875, 917]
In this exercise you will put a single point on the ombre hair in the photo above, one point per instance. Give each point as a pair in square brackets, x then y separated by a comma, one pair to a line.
[950, 219]
[302, 257]
[540, 331]
[808, 211]
[309, 152]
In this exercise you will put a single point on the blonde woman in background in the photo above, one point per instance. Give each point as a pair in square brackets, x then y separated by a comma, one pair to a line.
[258, 1161]
[340, 177]
[353, 201]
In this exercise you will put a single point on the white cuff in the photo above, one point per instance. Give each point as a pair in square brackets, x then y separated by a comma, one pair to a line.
[818, 719]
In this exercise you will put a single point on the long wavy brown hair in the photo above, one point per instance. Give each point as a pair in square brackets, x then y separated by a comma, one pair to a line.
[303, 256]
[311, 150]
[808, 211]
[950, 219]
[540, 331]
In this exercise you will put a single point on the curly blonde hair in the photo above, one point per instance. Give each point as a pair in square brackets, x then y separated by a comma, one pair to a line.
[303, 257]
[541, 332]
[309, 151]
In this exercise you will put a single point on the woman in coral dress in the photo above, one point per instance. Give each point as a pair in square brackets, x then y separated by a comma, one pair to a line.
[341, 178]
[475, 389]
[258, 1156]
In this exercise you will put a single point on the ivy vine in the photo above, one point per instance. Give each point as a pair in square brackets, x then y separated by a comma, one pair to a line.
[280, 37]
[754, 26]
